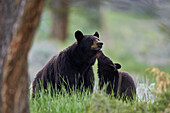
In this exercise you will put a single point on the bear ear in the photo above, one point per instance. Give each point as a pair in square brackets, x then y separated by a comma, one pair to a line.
[96, 34]
[118, 66]
[79, 35]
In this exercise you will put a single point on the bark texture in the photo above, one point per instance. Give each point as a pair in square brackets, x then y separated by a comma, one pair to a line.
[15, 73]
[10, 12]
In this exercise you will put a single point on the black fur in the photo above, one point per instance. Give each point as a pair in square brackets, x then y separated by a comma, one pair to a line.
[108, 74]
[72, 67]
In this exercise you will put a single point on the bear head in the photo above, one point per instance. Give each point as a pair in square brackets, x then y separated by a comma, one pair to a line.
[106, 63]
[88, 42]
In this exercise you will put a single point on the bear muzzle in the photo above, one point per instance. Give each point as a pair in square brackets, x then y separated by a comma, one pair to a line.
[97, 45]
[100, 44]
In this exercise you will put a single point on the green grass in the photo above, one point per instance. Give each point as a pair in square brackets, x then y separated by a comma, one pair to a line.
[98, 102]
[75, 102]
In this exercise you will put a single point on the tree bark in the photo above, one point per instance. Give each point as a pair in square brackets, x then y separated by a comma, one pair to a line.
[60, 10]
[10, 12]
[15, 73]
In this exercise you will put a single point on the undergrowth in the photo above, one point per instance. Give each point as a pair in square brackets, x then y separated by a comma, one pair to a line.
[100, 102]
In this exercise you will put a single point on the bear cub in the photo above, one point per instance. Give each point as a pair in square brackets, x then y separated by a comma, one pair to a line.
[72, 67]
[118, 82]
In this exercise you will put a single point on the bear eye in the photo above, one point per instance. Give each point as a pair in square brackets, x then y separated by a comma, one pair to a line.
[97, 39]
[90, 40]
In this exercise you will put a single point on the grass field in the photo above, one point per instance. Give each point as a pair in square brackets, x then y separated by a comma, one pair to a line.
[98, 102]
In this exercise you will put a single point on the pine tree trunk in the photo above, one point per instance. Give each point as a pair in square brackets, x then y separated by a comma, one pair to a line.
[15, 73]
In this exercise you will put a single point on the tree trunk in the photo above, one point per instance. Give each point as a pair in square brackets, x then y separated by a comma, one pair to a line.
[10, 12]
[15, 73]
[60, 10]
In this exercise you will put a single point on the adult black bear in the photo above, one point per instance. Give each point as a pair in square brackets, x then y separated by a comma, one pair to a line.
[121, 83]
[72, 67]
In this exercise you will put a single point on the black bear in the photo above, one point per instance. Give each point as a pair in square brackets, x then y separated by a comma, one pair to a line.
[72, 67]
[120, 83]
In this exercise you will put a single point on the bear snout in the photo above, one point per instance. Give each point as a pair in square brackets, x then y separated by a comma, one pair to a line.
[100, 44]
[97, 45]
